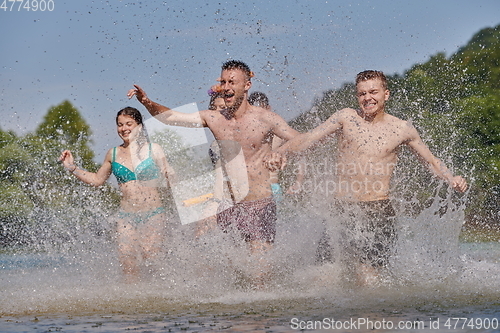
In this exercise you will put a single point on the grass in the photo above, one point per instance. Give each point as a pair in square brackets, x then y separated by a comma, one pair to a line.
[480, 233]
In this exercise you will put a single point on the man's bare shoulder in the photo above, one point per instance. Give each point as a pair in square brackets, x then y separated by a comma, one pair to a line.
[205, 113]
[404, 127]
[343, 115]
[398, 121]
[209, 116]
[347, 112]
[257, 110]
[264, 114]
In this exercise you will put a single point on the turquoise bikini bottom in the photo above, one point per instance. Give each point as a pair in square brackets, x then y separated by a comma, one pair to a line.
[141, 217]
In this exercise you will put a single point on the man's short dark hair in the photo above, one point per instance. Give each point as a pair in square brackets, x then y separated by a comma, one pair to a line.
[258, 98]
[237, 64]
[370, 75]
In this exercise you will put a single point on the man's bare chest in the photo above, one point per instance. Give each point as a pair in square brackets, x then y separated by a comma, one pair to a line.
[371, 141]
[246, 133]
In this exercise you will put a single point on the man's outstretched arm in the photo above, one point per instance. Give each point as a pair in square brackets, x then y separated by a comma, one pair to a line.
[435, 165]
[303, 141]
[165, 114]
[277, 159]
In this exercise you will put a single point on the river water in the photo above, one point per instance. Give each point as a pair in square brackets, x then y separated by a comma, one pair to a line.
[435, 283]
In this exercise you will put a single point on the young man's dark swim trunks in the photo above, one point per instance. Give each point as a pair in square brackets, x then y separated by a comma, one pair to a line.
[367, 232]
[370, 231]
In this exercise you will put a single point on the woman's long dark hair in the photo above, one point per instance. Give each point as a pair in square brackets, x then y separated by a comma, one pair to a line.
[213, 97]
[142, 137]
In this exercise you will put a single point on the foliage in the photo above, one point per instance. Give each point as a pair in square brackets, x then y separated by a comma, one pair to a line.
[39, 200]
[323, 107]
[188, 162]
[63, 125]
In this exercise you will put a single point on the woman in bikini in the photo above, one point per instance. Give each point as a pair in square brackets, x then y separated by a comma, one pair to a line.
[141, 169]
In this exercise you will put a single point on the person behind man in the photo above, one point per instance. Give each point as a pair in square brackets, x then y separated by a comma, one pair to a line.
[368, 142]
[249, 129]
[208, 221]
[217, 104]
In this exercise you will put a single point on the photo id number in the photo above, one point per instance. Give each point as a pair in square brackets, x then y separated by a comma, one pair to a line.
[27, 5]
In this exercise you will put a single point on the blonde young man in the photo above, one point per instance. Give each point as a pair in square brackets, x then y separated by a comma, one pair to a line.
[368, 142]
[245, 128]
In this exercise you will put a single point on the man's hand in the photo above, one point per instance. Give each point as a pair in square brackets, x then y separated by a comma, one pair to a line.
[275, 161]
[139, 93]
[459, 184]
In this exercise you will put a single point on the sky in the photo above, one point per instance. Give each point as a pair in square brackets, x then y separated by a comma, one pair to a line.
[92, 52]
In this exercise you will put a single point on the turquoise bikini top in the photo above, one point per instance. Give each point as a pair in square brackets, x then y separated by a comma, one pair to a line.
[146, 170]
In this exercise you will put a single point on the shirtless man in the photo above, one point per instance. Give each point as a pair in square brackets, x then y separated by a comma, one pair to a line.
[368, 142]
[249, 130]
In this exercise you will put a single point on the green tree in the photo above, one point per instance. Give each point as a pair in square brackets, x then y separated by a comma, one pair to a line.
[63, 125]
[39, 201]
[15, 204]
